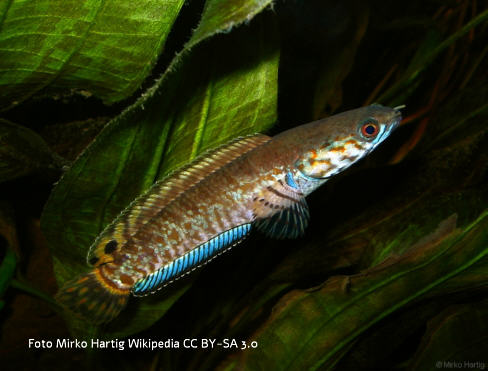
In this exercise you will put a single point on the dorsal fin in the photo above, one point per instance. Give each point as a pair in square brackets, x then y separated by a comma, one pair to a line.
[149, 204]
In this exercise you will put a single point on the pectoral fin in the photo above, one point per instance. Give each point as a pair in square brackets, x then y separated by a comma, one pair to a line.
[281, 210]
[288, 223]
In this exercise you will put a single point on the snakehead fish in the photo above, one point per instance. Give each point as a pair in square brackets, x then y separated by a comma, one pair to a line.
[211, 204]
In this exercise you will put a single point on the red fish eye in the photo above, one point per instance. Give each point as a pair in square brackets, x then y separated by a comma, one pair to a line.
[369, 129]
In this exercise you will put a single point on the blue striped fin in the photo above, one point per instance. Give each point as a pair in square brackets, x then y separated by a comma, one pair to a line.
[191, 260]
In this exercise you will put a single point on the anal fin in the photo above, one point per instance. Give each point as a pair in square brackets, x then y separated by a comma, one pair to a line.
[190, 261]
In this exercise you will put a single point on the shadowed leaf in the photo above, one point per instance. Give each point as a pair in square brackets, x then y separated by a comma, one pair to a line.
[8, 246]
[336, 64]
[457, 334]
[403, 88]
[308, 330]
[22, 151]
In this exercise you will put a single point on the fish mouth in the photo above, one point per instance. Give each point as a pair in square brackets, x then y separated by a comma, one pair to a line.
[398, 115]
[393, 124]
[397, 118]
[396, 121]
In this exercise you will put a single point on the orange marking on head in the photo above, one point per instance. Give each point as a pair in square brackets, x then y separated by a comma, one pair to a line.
[351, 141]
[313, 154]
[326, 162]
[358, 146]
[341, 149]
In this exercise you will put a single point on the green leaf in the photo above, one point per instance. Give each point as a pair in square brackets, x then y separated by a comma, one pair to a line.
[224, 88]
[104, 47]
[22, 151]
[457, 334]
[220, 16]
[310, 330]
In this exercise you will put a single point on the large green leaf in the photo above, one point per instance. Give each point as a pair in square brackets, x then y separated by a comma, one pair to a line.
[105, 48]
[308, 330]
[224, 88]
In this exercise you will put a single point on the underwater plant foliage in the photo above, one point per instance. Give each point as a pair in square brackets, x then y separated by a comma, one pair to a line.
[101, 99]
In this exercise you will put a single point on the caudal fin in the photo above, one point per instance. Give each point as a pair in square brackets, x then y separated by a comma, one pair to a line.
[91, 298]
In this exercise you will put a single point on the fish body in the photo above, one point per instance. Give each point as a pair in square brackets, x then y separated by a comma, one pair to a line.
[211, 204]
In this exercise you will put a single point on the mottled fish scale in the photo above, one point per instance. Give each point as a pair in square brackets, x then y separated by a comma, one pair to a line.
[143, 209]
[211, 204]
[223, 193]
[220, 192]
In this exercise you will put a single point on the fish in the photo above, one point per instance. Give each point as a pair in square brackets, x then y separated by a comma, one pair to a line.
[203, 209]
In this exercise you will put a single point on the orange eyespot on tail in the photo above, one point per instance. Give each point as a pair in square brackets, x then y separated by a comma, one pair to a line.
[91, 299]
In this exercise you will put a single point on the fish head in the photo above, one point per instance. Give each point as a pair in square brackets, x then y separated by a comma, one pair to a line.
[337, 142]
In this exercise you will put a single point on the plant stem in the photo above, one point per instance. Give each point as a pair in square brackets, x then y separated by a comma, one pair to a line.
[19, 285]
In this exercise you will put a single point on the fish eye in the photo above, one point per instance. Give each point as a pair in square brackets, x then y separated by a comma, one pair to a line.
[369, 128]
